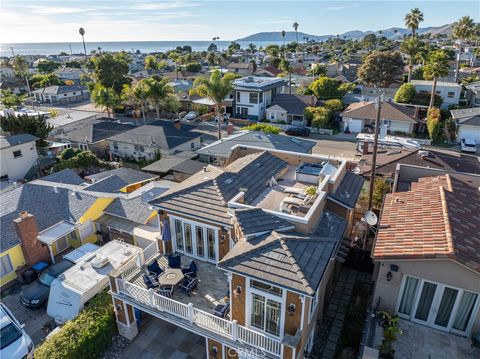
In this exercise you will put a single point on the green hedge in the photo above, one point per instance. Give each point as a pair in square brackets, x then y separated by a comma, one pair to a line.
[85, 337]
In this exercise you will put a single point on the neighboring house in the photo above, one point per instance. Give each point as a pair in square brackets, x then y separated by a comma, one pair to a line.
[270, 262]
[242, 68]
[69, 73]
[253, 95]
[13, 84]
[218, 153]
[61, 95]
[398, 118]
[427, 262]
[473, 93]
[121, 179]
[160, 137]
[93, 136]
[18, 154]
[468, 123]
[448, 91]
[179, 166]
[268, 71]
[289, 108]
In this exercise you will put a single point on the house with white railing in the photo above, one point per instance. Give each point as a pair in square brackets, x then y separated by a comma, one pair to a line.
[266, 233]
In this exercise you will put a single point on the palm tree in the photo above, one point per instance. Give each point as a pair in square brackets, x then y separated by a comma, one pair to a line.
[285, 66]
[412, 47]
[157, 89]
[295, 27]
[283, 33]
[105, 97]
[81, 31]
[437, 66]
[216, 88]
[413, 20]
[463, 30]
[151, 63]
[252, 48]
[20, 69]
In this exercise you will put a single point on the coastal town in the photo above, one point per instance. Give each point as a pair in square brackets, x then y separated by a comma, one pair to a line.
[283, 195]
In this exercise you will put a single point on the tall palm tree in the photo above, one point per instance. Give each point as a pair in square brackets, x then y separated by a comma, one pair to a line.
[105, 97]
[20, 69]
[81, 31]
[157, 89]
[283, 33]
[215, 88]
[437, 66]
[413, 20]
[251, 48]
[295, 27]
[286, 67]
[463, 30]
[412, 47]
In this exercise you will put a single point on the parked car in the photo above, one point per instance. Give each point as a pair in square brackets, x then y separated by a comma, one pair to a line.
[468, 145]
[36, 294]
[297, 131]
[192, 115]
[15, 343]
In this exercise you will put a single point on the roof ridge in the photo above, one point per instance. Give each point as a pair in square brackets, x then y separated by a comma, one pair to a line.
[217, 189]
[295, 266]
[448, 226]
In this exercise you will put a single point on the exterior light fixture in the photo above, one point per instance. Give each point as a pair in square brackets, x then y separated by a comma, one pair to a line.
[291, 308]
[214, 352]
[238, 290]
[389, 276]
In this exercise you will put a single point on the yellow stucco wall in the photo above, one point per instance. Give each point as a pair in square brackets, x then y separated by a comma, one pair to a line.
[93, 213]
[17, 259]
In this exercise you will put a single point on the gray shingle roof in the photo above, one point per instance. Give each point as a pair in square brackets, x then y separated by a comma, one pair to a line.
[49, 205]
[189, 167]
[349, 190]
[134, 209]
[259, 139]
[293, 103]
[97, 131]
[67, 176]
[15, 140]
[206, 194]
[256, 220]
[55, 90]
[290, 260]
[113, 180]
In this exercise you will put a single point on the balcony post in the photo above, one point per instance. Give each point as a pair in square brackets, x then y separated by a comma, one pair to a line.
[150, 297]
[190, 313]
[234, 329]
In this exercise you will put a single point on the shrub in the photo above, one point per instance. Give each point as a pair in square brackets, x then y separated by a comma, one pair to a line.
[318, 116]
[380, 189]
[334, 105]
[405, 93]
[263, 127]
[433, 123]
[85, 337]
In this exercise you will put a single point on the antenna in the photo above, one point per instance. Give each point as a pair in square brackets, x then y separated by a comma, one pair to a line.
[371, 218]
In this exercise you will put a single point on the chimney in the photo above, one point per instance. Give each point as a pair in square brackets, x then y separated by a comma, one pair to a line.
[33, 250]
[177, 124]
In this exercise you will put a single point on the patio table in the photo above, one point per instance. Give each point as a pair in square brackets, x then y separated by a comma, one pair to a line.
[171, 276]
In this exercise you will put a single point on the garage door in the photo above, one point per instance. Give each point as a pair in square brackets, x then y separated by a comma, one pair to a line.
[353, 125]
[469, 132]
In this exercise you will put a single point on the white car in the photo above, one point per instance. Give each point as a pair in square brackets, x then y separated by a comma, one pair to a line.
[14, 341]
[191, 116]
[468, 145]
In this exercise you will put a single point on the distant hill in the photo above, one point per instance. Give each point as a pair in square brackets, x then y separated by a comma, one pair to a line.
[391, 33]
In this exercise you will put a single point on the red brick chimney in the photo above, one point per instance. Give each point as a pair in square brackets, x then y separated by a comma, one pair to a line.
[33, 250]
[177, 124]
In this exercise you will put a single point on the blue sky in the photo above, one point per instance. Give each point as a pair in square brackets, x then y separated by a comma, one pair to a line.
[120, 20]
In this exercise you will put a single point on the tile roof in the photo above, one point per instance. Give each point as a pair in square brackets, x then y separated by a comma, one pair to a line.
[15, 140]
[49, 205]
[437, 218]
[389, 111]
[206, 194]
[256, 220]
[67, 176]
[290, 260]
[349, 189]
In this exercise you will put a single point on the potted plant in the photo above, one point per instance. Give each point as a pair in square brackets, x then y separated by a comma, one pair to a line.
[389, 323]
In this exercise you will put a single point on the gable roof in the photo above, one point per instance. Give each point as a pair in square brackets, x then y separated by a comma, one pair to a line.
[114, 180]
[465, 113]
[56, 90]
[437, 218]
[293, 103]
[256, 220]
[15, 140]
[223, 147]
[206, 194]
[67, 176]
[97, 131]
[389, 111]
[349, 189]
[50, 206]
[134, 209]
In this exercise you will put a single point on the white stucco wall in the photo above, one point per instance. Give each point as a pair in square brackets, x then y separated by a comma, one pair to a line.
[17, 168]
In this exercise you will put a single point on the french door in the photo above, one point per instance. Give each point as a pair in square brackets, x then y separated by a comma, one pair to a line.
[195, 240]
[437, 305]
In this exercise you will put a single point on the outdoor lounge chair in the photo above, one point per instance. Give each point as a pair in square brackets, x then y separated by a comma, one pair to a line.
[189, 284]
[150, 281]
[166, 291]
[191, 270]
[222, 310]
[293, 190]
[175, 261]
[154, 268]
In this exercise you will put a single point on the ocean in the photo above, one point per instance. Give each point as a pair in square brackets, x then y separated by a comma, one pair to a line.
[54, 48]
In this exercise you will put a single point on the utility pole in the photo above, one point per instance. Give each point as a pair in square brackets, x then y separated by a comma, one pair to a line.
[378, 106]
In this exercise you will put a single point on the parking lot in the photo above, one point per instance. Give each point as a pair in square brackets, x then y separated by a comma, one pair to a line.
[37, 323]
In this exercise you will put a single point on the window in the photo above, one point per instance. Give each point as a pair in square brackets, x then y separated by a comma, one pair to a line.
[192, 145]
[17, 154]
[200, 241]
[211, 244]
[450, 94]
[142, 149]
[115, 145]
[265, 287]
[188, 238]
[62, 244]
[253, 97]
[179, 234]
[73, 235]
[238, 96]
[6, 265]
[260, 97]
[266, 314]
[212, 160]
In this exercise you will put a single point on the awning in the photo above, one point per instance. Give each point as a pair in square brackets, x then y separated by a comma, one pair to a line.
[55, 232]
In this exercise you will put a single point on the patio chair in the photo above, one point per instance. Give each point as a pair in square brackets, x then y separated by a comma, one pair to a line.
[150, 281]
[166, 291]
[175, 261]
[221, 310]
[191, 270]
[189, 284]
[154, 268]
[293, 190]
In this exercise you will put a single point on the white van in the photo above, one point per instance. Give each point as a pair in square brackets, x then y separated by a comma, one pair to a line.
[72, 289]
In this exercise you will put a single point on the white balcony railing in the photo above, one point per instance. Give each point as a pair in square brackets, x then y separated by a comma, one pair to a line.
[229, 329]
[131, 267]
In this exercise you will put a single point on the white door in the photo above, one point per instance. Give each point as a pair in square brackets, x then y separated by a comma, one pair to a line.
[195, 240]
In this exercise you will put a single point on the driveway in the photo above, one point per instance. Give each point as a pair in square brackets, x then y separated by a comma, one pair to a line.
[35, 320]
[159, 339]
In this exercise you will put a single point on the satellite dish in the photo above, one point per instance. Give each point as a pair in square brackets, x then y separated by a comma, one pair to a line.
[370, 218]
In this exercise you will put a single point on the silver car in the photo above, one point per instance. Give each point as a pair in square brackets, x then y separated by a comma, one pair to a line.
[15, 343]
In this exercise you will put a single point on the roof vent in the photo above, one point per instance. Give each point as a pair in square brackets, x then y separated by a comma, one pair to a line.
[55, 189]
[423, 154]
[228, 180]
[205, 169]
